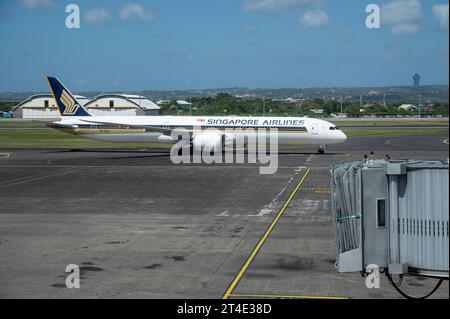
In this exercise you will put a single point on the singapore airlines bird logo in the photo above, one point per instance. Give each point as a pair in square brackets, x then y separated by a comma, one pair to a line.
[69, 103]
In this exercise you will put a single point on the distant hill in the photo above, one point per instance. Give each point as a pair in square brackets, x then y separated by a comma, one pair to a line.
[394, 94]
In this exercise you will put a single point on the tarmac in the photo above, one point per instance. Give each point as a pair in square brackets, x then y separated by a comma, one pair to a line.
[139, 226]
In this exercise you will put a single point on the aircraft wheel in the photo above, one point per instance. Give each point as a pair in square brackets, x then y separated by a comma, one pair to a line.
[321, 149]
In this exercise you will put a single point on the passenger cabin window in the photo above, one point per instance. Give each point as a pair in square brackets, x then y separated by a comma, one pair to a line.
[46, 103]
[111, 103]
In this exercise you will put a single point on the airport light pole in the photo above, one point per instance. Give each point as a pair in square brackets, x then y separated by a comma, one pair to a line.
[190, 106]
[419, 105]
[264, 106]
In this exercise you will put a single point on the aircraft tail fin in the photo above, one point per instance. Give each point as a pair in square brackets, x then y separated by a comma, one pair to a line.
[65, 101]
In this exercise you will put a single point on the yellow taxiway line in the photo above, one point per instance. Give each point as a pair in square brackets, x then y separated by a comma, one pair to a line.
[286, 297]
[262, 240]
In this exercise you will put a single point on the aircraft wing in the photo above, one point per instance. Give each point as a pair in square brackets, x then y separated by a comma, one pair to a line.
[59, 125]
[147, 128]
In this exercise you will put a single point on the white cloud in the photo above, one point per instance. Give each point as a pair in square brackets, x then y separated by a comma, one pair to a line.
[314, 19]
[248, 29]
[405, 28]
[136, 12]
[392, 53]
[37, 3]
[97, 16]
[401, 11]
[440, 11]
[403, 16]
[275, 5]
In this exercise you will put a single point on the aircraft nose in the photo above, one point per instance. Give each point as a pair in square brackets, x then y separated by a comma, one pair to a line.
[343, 137]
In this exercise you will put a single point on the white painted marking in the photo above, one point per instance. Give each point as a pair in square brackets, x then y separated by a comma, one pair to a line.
[263, 212]
[310, 157]
[268, 209]
[224, 214]
[310, 206]
[316, 205]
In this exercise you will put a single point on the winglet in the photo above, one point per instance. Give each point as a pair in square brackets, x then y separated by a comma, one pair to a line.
[67, 103]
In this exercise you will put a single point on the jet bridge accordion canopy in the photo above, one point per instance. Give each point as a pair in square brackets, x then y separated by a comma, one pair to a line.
[393, 215]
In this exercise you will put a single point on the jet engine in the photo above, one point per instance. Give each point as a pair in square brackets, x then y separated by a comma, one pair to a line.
[208, 142]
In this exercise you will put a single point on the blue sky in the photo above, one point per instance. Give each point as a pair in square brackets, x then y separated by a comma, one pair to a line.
[179, 44]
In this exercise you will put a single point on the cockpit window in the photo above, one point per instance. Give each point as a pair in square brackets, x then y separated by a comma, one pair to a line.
[336, 128]
[332, 128]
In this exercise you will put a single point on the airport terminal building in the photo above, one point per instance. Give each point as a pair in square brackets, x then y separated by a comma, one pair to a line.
[43, 106]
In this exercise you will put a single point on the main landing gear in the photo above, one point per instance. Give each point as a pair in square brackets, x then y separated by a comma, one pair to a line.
[321, 149]
[191, 150]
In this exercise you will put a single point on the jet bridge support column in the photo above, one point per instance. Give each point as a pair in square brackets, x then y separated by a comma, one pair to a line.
[395, 267]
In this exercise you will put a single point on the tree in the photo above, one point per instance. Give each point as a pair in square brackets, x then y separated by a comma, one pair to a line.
[353, 110]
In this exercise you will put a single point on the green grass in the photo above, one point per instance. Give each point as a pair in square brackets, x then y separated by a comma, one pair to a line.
[400, 122]
[15, 123]
[58, 140]
[392, 132]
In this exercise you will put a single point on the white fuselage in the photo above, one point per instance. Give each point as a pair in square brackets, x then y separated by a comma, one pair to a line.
[290, 130]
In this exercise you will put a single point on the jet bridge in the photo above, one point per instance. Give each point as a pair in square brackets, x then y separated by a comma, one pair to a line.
[393, 215]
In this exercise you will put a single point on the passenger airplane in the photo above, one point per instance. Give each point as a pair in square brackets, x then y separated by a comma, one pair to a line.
[292, 131]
